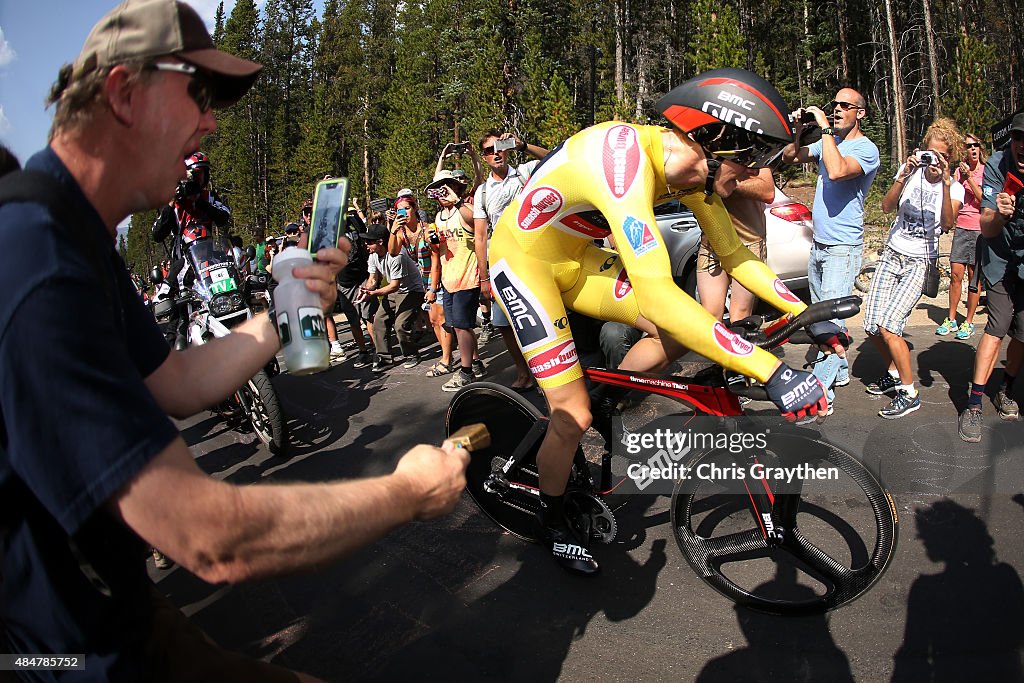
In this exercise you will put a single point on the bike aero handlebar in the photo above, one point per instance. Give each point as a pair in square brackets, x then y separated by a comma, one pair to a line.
[841, 308]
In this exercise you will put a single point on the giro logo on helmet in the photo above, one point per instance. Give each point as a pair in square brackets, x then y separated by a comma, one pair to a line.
[621, 158]
[731, 342]
[726, 115]
[539, 208]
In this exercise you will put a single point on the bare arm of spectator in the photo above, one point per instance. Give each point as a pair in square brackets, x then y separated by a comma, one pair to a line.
[480, 246]
[227, 533]
[445, 153]
[794, 154]
[435, 275]
[891, 200]
[761, 187]
[478, 168]
[194, 379]
[967, 180]
[993, 221]
[950, 206]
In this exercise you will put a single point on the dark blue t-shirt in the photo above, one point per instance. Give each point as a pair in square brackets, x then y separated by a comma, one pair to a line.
[78, 424]
[1004, 253]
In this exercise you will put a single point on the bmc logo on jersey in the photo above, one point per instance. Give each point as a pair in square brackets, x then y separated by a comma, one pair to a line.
[622, 285]
[554, 361]
[621, 158]
[539, 208]
[783, 291]
[731, 342]
[639, 235]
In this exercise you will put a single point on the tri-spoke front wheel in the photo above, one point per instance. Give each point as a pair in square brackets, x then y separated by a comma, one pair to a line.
[838, 534]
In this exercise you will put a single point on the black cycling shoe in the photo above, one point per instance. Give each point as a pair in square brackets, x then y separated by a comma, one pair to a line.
[570, 554]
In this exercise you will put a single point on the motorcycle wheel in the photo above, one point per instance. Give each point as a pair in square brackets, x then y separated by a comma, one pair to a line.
[263, 410]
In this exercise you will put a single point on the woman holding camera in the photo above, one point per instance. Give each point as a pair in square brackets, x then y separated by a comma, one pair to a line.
[927, 200]
[421, 243]
[965, 239]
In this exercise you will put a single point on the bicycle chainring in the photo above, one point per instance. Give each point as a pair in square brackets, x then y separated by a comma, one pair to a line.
[593, 513]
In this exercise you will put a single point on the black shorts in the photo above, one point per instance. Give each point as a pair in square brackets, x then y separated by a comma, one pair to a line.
[1006, 308]
[460, 308]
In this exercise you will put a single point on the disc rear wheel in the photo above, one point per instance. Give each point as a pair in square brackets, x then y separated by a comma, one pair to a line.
[512, 501]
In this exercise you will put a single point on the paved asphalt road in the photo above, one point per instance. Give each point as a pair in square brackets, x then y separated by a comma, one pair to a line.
[457, 599]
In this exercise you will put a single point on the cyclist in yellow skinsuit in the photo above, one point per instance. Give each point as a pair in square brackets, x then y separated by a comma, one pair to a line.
[606, 180]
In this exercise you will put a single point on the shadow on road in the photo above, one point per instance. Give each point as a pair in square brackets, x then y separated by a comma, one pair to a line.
[966, 622]
[781, 648]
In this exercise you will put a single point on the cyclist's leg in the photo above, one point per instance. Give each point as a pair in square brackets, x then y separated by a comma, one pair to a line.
[525, 288]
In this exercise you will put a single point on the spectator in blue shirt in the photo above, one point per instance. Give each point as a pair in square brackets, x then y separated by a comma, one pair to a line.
[847, 163]
[91, 468]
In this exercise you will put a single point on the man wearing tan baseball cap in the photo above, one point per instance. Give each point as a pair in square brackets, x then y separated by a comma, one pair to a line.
[92, 470]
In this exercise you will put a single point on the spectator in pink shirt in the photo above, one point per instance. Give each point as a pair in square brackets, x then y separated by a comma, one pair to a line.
[965, 239]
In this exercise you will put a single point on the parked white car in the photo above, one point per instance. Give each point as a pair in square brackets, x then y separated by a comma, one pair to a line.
[789, 236]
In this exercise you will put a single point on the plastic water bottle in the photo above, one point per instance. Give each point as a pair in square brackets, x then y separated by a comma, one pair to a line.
[300, 320]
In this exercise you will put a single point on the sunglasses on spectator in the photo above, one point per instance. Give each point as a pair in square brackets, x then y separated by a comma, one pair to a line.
[489, 150]
[198, 89]
[973, 144]
[845, 106]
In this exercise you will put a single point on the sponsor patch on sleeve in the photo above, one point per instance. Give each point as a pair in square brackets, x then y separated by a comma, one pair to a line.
[621, 159]
[639, 235]
[731, 342]
[539, 207]
[784, 293]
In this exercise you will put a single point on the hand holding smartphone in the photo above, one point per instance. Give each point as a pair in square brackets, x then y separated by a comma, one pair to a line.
[329, 204]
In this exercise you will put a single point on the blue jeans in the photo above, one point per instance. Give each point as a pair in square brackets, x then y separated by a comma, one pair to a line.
[831, 272]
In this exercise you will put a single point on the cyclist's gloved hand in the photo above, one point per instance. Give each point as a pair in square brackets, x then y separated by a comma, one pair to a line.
[827, 333]
[799, 395]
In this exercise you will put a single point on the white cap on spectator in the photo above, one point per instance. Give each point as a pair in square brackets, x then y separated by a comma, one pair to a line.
[405, 192]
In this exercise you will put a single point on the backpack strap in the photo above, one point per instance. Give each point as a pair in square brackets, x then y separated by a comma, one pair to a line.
[42, 188]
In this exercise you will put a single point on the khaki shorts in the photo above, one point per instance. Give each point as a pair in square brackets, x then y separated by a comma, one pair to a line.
[707, 259]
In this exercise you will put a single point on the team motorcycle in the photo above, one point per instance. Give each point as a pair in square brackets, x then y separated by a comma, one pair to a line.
[218, 300]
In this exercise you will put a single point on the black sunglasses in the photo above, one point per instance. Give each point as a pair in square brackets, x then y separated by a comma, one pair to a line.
[740, 146]
[489, 150]
[846, 106]
[198, 89]
[973, 144]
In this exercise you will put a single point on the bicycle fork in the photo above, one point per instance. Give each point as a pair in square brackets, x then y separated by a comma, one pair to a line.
[773, 512]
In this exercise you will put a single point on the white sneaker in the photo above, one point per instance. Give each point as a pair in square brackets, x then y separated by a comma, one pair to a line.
[337, 352]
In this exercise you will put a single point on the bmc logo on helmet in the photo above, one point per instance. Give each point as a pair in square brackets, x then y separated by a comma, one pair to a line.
[554, 361]
[539, 207]
[622, 285]
[736, 100]
[783, 291]
[621, 158]
[731, 342]
[732, 116]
